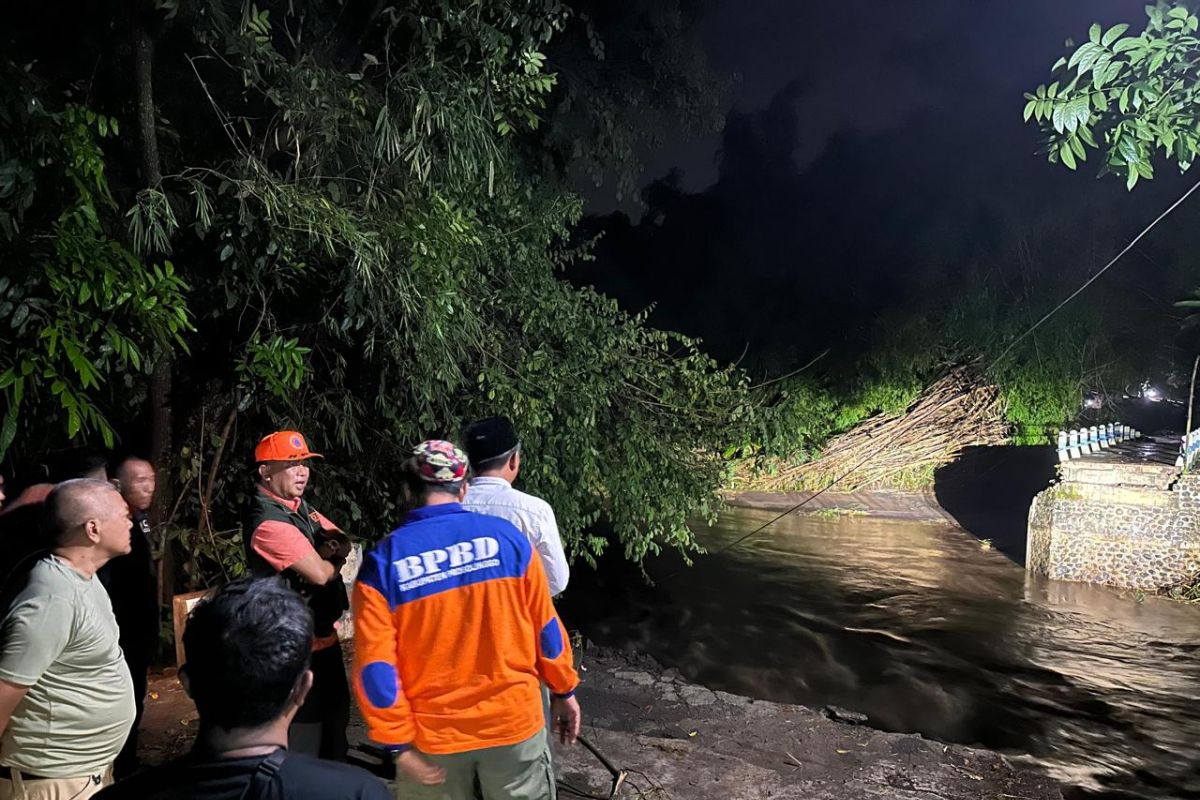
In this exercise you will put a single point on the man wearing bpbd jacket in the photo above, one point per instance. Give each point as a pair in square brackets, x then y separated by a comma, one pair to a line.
[455, 632]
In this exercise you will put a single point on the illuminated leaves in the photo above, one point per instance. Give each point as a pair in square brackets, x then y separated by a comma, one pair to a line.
[1130, 97]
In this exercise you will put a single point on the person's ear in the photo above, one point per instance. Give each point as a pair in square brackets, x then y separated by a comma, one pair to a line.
[462, 492]
[302, 688]
[92, 529]
[514, 461]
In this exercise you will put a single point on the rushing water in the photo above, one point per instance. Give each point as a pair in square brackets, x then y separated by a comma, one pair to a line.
[921, 627]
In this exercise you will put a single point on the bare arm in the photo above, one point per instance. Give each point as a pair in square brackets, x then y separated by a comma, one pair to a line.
[11, 696]
[314, 569]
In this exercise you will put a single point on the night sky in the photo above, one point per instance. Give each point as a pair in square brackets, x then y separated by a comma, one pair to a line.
[873, 157]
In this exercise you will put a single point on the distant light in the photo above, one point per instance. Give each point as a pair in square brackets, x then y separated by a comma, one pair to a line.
[1152, 394]
[1093, 401]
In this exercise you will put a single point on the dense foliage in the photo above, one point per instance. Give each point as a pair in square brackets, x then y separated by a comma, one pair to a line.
[332, 216]
[1131, 96]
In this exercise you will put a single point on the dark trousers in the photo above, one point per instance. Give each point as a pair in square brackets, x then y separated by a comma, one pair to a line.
[127, 760]
[319, 728]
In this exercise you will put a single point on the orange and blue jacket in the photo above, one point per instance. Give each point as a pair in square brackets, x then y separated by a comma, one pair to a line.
[454, 631]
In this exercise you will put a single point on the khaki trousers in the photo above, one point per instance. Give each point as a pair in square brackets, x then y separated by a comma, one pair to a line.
[517, 772]
[14, 787]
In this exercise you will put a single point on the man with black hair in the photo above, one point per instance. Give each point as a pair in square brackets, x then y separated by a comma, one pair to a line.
[133, 588]
[66, 699]
[247, 652]
[495, 453]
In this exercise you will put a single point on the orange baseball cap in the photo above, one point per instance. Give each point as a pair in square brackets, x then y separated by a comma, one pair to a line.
[283, 446]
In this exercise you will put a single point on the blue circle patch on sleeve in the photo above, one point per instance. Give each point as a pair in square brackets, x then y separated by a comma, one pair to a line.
[551, 639]
[380, 683]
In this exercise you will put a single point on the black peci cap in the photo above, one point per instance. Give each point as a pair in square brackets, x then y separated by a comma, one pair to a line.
[488, 438]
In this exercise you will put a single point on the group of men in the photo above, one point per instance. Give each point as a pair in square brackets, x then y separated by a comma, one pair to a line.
[457, 643]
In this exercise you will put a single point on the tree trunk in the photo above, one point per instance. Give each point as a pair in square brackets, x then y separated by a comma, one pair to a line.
[143, 69]
[161, 417]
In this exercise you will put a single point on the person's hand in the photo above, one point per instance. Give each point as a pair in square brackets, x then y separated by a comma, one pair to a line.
[565, 718]
[420, 769]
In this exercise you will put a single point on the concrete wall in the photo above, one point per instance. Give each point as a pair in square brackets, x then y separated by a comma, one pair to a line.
[1132, 526]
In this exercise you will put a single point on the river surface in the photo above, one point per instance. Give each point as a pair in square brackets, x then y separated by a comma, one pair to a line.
[925, 630]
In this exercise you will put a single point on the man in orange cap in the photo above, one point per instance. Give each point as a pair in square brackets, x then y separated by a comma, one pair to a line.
[284, 535]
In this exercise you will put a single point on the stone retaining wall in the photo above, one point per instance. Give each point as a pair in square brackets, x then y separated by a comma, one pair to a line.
[1130, 526]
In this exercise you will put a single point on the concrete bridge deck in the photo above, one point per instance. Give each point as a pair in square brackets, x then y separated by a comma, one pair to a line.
[1160, 450]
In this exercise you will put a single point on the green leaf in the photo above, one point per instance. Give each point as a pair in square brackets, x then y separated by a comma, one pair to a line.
[1077, 148]
[1068, 158]
[1128, 150]
[1179, 12]
[8, 431]
[1128, 45]
[1094, 33]
[1079, 55]
[1029, 108]
[1114, 33]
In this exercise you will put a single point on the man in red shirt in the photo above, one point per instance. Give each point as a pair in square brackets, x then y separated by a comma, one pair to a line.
[284, 535]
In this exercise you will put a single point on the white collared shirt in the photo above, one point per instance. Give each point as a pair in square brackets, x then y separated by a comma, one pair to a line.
[531, 515]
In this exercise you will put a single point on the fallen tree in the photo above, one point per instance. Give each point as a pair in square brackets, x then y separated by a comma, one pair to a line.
[959, 410]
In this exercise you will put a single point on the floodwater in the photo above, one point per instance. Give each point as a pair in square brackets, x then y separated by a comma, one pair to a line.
[924, 629]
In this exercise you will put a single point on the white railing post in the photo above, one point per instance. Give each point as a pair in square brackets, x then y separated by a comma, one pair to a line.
[1102, 432]
[1063, 455]
[1073, 444]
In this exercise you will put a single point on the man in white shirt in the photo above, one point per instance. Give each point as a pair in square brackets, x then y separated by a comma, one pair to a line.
[495, 454]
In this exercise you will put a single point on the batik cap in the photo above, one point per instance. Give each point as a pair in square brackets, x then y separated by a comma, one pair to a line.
[440, 461]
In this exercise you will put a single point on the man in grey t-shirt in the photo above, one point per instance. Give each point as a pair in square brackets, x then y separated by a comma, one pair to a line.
[66, 697]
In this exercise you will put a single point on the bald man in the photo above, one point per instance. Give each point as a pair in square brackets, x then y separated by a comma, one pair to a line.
[132, 587]
[66, 698]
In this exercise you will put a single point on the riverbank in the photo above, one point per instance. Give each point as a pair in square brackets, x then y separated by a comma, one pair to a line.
[913, 506]
[680, 741]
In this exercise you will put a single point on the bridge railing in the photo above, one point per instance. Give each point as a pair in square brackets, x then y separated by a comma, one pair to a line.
[1189, 449]
[1080, 442]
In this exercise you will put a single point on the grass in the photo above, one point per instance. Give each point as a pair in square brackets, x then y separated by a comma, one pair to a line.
[1186, 592]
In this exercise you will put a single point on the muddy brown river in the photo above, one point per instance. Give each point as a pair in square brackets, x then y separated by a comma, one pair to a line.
[925, 630]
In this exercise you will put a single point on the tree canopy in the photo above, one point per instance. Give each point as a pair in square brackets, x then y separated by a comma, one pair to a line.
[218, 218]
[1131, 96]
